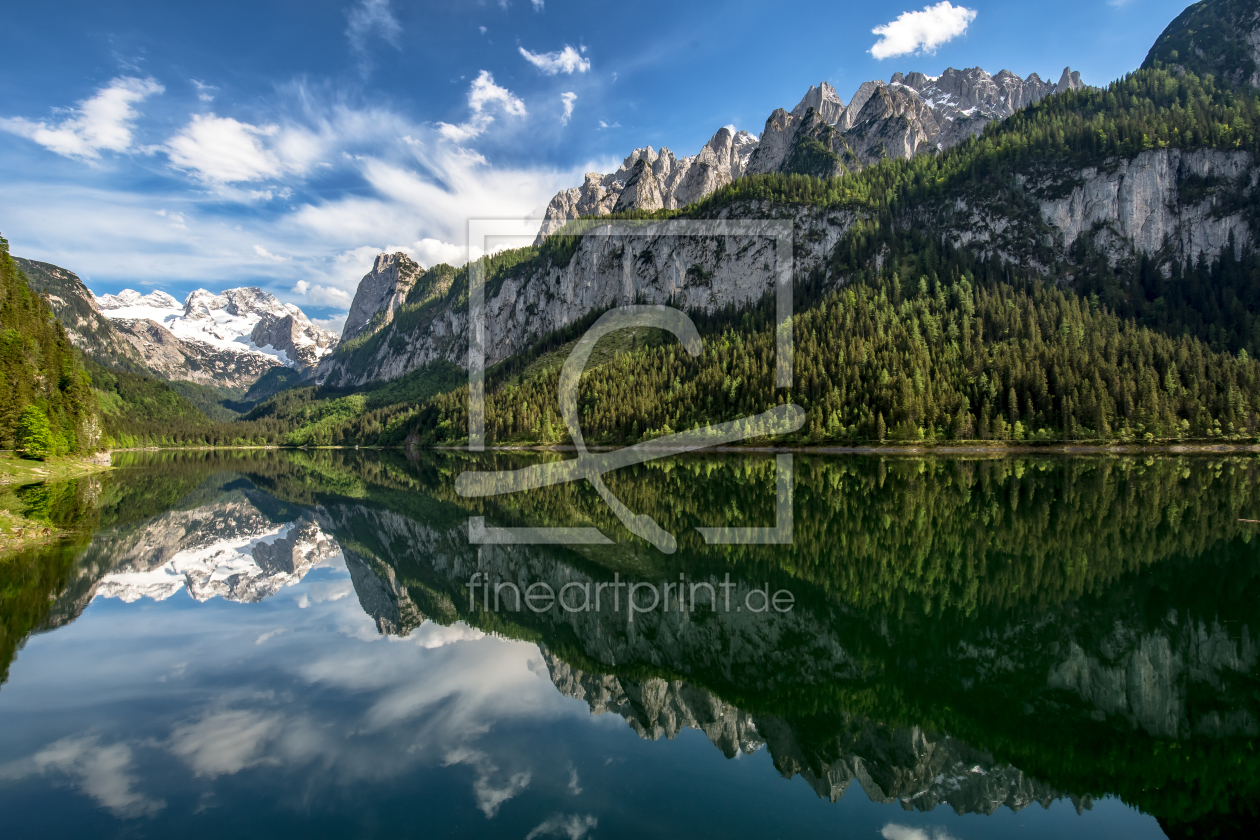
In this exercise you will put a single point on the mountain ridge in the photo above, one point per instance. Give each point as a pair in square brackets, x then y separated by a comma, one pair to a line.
[230, 339]
[908, 115]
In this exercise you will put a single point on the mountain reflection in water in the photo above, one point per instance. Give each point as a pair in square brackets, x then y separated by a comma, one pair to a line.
[981, 634]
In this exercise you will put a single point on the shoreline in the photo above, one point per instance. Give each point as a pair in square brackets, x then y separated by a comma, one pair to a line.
[959, 448]
[18, 533]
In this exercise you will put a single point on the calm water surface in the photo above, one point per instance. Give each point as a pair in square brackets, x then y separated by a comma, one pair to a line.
[262, 644]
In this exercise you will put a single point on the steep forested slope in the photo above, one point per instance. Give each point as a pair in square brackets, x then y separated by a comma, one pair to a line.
[39, 370]
[1212, 37]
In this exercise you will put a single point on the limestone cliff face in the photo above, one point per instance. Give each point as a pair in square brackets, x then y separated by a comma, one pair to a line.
[1142, 678]
[894, 123]
[381, 596]
[1185, 200]
[381, 291]
[913, 115]
[657, 708]
[653, 266]
[1163, 203]
[824, 100]
[302, 343]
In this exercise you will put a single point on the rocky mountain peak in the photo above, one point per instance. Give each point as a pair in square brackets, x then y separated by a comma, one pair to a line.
[1070, 80]
[80, 313]
[908, 115]
[674, 182]
[129, 297]
[381, 291]
[241, 302]
[822, 99]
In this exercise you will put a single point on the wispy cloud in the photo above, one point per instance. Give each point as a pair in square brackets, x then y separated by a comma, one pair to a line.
[567, 60]
[205, 92]
[369, 19]
[537, 4]
[567, 99]
[923, 31]
[894, 831]
[606, 125]
[103, 772]
[223, 150]
[483, 96]
[491, 788]
[267, 255]
[224, 742]
[572, 826]
[103, 122]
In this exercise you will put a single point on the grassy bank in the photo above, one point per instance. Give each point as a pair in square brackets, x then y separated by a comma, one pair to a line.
[20, 526]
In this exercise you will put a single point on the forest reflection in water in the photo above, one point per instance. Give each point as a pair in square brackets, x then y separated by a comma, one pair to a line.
[977, 633]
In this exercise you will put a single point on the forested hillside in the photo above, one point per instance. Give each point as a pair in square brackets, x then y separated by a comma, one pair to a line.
[905, 333]
[935, 346]
[46, 401]
[937, 342]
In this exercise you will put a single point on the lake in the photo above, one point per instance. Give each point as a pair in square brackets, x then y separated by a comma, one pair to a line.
[340, 643]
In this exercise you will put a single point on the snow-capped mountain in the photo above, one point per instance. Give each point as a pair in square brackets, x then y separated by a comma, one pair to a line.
[229, 550]
[230, 338]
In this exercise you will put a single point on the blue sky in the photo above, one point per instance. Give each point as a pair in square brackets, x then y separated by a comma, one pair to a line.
[282, 144]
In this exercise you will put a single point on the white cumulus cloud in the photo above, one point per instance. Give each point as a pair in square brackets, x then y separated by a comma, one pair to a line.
[102, 122]
[568, 99]
[483, 96]
[567, 60]
[922, 31]
[322, 296]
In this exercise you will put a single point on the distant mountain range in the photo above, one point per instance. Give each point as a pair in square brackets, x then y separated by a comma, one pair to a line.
[230, 339]
[909, 115]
